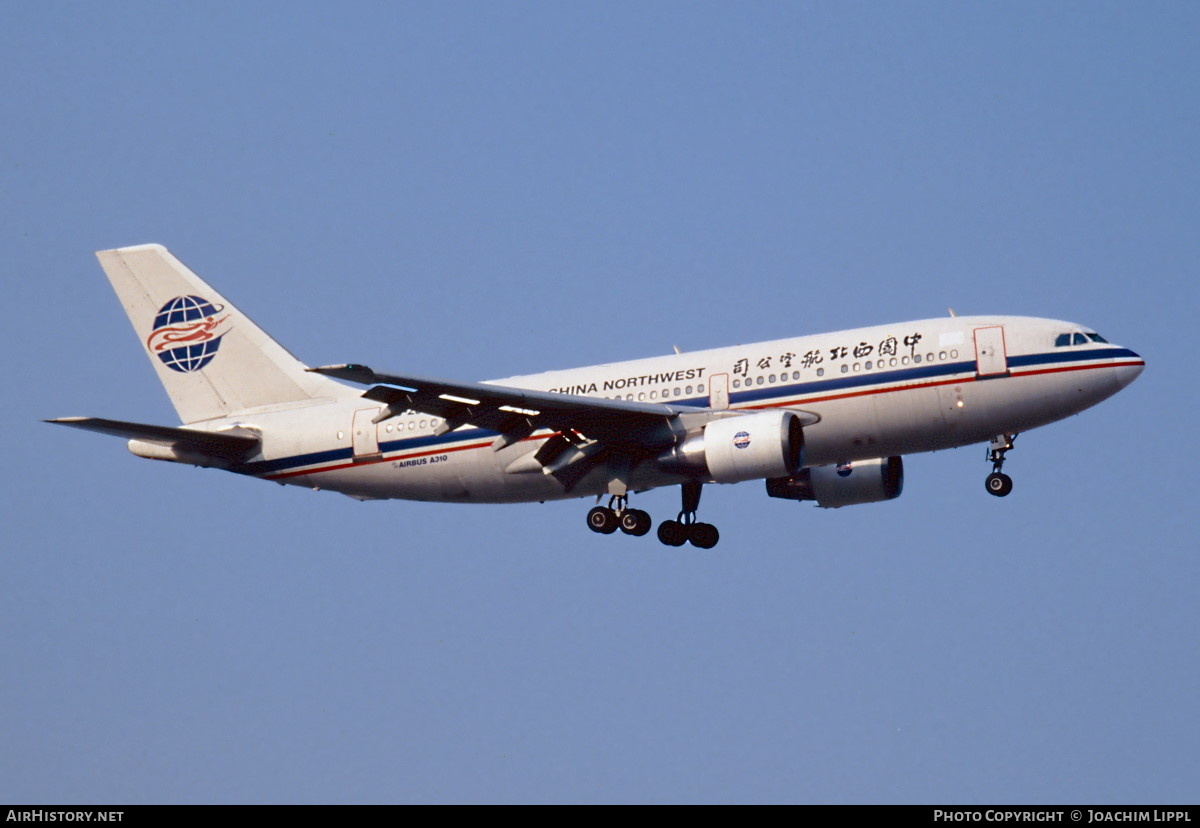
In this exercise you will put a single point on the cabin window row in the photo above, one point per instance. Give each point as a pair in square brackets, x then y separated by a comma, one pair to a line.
[869, 365]
[413, 425]
[763, 379]
[666, 393]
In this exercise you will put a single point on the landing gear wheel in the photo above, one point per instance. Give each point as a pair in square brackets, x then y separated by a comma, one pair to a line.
[685, 527]
[672, 533]
[998, 484]
[603, 520]
[703, 535]
[635, 522]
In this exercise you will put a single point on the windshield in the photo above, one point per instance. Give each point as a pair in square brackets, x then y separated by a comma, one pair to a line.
[1066, 340]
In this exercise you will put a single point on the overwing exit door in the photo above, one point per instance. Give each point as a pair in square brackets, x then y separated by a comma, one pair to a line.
[718, 391]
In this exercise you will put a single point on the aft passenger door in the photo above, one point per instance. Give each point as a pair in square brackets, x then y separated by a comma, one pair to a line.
[991, 359]
[364, 434]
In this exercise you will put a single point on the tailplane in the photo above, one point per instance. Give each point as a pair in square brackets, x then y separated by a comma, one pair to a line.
[212, 360]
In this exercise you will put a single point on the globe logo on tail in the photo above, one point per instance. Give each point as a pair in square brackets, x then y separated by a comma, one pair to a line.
[187, 332]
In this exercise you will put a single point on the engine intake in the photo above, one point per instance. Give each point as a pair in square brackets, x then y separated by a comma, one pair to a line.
[846, 484]
[746, 447]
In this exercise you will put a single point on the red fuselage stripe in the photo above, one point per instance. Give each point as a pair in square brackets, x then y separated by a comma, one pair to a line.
[785, 404]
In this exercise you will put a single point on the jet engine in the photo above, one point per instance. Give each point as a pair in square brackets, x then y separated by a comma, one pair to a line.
[746, 447]
[863, 481]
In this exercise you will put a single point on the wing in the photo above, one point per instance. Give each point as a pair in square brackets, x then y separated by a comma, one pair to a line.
[587, 430]
[508, 410]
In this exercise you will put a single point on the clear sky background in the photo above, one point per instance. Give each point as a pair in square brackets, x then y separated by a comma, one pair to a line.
[479, 190]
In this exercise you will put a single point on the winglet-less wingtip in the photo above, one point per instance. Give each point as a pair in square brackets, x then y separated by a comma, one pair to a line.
[351, 372]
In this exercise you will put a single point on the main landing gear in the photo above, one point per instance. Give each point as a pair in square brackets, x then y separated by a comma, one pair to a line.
[617, 514]
[998, 483]
[684, 529]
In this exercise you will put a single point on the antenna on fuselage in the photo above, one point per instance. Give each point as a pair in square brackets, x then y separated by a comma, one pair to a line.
[951, 311]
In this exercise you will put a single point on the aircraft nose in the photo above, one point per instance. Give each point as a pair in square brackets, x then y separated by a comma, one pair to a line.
[1129, 368]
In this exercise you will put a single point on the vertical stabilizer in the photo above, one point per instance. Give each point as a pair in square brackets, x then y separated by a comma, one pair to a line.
[212, 360]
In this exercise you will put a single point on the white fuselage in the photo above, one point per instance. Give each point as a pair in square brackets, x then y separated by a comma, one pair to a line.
[865, 393]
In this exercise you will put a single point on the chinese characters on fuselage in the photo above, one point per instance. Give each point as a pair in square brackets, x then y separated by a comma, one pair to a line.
[890, 346]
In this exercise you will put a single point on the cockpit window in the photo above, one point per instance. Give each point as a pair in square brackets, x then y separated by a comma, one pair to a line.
[1066, 340]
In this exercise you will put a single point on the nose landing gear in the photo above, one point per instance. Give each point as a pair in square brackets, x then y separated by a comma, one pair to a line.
[998, 483]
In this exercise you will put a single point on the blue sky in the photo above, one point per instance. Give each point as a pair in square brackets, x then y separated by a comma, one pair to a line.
[477, 190]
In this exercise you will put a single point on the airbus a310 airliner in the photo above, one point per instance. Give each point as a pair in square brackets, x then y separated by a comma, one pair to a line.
[823, 418]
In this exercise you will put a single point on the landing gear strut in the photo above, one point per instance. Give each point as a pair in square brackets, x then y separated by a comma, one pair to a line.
[685, 527]
[998, 483]
[618, 515]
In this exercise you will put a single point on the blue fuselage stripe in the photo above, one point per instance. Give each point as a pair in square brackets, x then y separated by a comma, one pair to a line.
[749, 397]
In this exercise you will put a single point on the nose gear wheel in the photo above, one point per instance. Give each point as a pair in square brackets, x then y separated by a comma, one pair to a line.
[998, 483]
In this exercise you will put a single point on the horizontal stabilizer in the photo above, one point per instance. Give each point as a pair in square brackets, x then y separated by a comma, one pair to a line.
[235, 444]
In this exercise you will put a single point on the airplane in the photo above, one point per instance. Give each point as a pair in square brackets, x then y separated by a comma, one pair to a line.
[824, 418]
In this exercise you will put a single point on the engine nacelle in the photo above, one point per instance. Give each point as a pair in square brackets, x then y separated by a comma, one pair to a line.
[746, 447]
[863, 481]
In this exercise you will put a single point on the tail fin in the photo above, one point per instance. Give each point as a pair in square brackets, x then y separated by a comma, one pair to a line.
[212, 360]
